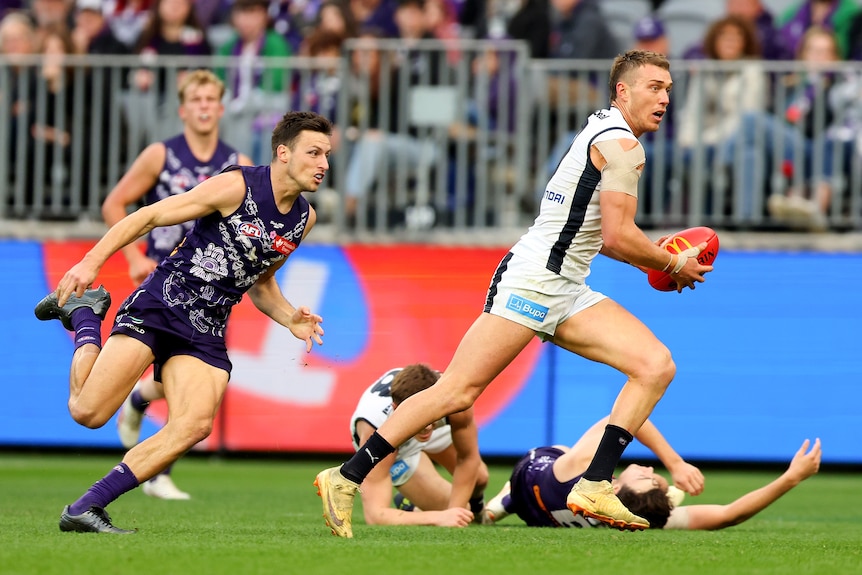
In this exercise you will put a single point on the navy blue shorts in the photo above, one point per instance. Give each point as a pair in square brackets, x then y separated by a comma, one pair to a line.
[147, 319]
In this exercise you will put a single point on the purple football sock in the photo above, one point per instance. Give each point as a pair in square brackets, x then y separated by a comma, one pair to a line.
[87, 326]
[106, 490]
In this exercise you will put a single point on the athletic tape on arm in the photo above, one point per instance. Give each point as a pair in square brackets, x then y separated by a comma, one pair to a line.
[623, 168]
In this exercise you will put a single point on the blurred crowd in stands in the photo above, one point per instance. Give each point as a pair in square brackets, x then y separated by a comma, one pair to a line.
[727, 117]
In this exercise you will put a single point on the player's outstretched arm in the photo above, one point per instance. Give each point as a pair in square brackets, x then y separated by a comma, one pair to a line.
[708, 517]
[222, 193]
[376, 492]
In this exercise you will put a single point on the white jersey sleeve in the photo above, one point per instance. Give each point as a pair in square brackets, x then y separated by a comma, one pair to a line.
[567, 233]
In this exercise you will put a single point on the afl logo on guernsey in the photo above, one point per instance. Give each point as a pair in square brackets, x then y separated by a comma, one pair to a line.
[250, 230]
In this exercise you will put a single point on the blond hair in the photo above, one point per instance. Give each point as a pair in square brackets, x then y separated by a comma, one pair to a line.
[200, 77]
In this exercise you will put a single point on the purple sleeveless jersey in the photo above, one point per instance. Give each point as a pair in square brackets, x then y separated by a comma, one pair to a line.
[538, 497]
[182, 171]
[222, 257]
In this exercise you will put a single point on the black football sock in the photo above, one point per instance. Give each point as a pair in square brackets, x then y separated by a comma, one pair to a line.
[613, 443]
[366, 457]
[477, 503]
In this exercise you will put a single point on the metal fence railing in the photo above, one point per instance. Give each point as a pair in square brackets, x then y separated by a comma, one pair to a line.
[439, 139]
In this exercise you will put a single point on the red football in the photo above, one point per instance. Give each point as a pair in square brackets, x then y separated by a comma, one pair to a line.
[680, 241]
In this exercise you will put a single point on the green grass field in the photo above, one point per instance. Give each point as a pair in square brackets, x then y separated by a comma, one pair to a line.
[256, 517]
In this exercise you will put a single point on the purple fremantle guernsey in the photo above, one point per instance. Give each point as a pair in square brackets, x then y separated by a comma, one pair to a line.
[182, 171]
[538, 497]
[222, 257]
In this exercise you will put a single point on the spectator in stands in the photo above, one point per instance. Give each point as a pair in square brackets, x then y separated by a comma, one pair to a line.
[212, 12]
[258, 80]
[50, 13]
[294, 20]
[725, 115]
[835, 15]
[91, 33]
[17, 40]
[650, 35]
[772, 43]
[127, 19]
[377, 15]
[491, 116]
[171, 30]
[488, 19]
[810, 111]
[854, 37]
[336, 16]
[51, 126]
[320, 92]
[376, 116]
[564, 29]
[442, 20]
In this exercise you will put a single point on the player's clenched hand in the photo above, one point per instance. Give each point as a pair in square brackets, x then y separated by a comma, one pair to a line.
[306, 326]
[688, 478]
[691, 270]
[454, 517]
[76, 281]
[805, 463]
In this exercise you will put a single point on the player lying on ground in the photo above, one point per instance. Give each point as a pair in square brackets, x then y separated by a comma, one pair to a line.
[541, 480]
[431, 499]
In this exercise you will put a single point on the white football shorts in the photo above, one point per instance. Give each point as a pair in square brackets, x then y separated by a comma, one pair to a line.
[536, 297]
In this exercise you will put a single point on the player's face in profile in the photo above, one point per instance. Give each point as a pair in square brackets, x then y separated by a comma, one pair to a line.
[641, 479]
[650, 95]
[202, 108]
[309, 160]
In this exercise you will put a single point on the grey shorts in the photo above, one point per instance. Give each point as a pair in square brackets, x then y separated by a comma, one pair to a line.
[145, 318]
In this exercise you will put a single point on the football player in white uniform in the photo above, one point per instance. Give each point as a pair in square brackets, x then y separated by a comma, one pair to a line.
[539, 288]
[411, 469]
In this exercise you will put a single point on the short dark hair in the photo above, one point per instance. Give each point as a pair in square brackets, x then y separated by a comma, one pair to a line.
[411, 380]
[626, 63]
[653, 505]
[287, 131]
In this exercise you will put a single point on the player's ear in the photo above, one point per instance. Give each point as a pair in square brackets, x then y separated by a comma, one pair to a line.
[394, 405]
[617, 486]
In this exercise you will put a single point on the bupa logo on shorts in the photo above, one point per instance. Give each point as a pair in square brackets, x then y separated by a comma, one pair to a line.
[527, 308]
[250, 230]
[398, 469]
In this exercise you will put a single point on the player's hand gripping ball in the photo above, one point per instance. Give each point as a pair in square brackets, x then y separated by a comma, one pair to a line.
[679, 242]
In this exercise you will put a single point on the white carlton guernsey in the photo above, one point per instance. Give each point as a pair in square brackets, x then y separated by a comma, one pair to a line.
[375, 407]
[567, 233]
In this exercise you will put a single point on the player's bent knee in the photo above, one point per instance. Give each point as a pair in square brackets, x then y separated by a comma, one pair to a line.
[92, 419]
[199, 431]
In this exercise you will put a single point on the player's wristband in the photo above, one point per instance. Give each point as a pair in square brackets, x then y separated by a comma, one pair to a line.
[670, 261]
[680, 263]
